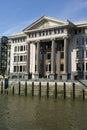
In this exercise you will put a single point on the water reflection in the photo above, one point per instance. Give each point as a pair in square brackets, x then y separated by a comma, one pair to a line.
[26, 113]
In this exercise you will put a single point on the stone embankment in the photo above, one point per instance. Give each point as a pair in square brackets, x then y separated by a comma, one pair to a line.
[72, 90]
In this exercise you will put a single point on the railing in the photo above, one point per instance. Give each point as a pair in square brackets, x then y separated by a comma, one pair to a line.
[82, 83]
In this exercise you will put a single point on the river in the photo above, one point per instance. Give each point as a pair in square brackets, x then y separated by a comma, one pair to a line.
[27, 113]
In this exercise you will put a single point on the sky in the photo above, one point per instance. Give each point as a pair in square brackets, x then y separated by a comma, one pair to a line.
[15, 15]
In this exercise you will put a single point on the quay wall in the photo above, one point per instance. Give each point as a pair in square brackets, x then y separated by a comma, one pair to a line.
[73, 90]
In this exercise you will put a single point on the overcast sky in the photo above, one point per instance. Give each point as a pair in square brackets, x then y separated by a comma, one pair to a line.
[15, 15]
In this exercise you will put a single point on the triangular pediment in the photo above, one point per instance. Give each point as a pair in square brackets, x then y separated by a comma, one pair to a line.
[44, 22]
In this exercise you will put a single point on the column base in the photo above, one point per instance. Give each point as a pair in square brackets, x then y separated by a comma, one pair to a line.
[35, 76]
[52, 76]
[64, 77]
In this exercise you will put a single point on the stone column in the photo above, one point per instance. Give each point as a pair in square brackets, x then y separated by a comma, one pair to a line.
[65, 57]
[53, 57]
[38, 58]
[28, 57]
[84, 64]
[52, 60]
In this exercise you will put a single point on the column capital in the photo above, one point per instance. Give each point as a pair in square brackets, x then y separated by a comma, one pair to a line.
[65, 37]
[52, 39]
[37, 41]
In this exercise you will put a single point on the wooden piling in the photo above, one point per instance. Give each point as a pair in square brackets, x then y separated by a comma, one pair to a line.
[55, 90]
[47, 90]
[19, 88]
[1, 87]
[64, 90]
[13, 91]
[40, 89]
[25, 88]
[83, 94]
[73, 91]
[32, 89]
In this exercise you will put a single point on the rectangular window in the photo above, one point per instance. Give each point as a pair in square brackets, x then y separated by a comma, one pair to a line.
[86, 66]
[14, 58]
[21, 58]
[50, 32]
[39, 33]
[21, 48]
[15, 49]
[24, 68]
[15, 67]
[80, 54]
[25, 57]
[46, 32]
[49, 56]
[78, 66]
[20, 68]
[86, 53]
[61, 67]
[55, 31]
[62, 55]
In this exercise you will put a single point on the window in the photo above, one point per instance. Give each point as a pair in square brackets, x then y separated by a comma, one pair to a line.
[25, 57]
[46, 32]
[23, 39]
[80, 54]
[55, 31]
[78, 66]
[62, 55]
[62, 30]
[86, 66]
[15, 68]
[49, 67]
[24, 68]
[21, 48]
[61, 67]
[49, 56]
[39, 33]
[15, 48]
[86, 53]
[14, 58]
[50, 32]
[21, 58]
[20, 68]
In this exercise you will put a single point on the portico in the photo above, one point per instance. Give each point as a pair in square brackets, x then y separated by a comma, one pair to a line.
[50, 55]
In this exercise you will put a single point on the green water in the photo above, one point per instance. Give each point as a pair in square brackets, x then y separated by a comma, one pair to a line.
[26, 113]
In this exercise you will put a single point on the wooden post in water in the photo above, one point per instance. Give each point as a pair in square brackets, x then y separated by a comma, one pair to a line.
[13, 91]
[19, 88]
[1, 87]
[55, 90]
[32, 89]
[64, 90]
[47, 90]
[83, 94]
[40, 89]
[25, 88]
[73, 90]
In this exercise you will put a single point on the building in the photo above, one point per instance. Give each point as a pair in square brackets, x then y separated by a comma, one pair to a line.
[49, 48]
[3, 55]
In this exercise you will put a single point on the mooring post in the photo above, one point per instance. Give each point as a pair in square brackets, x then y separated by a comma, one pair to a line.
[64, 90]
[83, 94]
[47, 90]
[39, 89]
[32, 89]
[13, 91]
[55, 90]
[19, 89]
[1, 87]
[25, 88]
[73, 90]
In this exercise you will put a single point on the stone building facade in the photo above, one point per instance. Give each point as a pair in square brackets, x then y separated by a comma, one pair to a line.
[49, 48]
